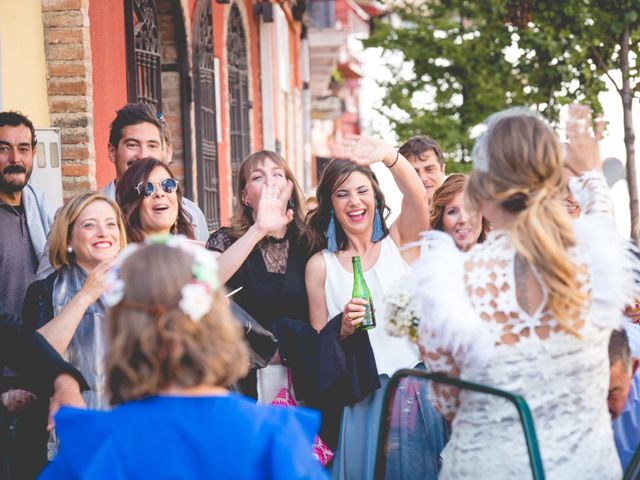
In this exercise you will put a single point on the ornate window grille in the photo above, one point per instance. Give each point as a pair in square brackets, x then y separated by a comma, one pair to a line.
[143, 52]
[203, 61]
[239, 102]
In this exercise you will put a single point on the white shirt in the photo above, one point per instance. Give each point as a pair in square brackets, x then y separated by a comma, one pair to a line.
[391, 353]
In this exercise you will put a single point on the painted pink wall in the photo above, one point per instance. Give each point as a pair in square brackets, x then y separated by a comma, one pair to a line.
[109, 77]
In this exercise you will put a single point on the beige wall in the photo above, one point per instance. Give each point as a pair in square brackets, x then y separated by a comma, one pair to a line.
[23, 70]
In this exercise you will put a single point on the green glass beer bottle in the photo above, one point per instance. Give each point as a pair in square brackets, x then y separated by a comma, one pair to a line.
[360, 290]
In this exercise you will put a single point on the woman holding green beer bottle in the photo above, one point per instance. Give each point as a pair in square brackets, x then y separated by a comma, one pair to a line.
[349, 234]
[350, 221]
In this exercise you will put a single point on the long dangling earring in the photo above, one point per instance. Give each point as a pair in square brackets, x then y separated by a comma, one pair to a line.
[378, 232]
[332, 246]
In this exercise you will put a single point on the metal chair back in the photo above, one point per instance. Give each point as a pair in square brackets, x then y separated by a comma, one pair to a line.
[422, 376]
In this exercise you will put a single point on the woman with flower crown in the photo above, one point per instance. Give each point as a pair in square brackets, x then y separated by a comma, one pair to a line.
[531, 309]
[350, 221]
[173, 349]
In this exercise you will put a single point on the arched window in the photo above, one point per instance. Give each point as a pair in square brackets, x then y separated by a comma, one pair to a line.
[206, 135]
[143, 52]
[239, 103]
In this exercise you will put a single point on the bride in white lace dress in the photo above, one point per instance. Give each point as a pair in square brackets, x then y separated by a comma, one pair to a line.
[531, 309]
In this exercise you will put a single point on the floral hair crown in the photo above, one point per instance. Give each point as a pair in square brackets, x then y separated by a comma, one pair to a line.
[197, 296]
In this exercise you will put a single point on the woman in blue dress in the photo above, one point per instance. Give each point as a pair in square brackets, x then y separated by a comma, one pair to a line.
[173, 348]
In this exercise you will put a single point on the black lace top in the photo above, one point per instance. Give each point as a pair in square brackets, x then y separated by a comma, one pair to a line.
[272, 278]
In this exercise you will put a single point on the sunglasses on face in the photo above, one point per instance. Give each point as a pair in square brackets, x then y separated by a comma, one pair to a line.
[168, 185]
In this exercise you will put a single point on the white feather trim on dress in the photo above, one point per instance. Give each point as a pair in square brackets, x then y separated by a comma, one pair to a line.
[612, 263]
[437, 282]
[612, 267]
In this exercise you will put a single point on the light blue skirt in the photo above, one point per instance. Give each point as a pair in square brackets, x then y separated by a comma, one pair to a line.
[417, 435]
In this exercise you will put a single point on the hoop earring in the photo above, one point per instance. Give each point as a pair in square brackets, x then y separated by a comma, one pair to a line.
[378, 232]
[332, 246]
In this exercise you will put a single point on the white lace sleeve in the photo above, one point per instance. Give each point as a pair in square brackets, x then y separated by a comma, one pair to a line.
[437, 360]
[610, 260]
[592, 193]
[450, 331]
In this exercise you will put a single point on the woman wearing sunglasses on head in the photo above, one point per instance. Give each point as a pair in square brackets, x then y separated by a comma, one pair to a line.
[151, 201]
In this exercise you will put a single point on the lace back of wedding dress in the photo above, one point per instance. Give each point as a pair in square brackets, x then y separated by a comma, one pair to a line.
[499, 332]
[562, 376]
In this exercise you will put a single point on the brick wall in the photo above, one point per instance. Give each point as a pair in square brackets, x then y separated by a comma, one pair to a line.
[68, 55]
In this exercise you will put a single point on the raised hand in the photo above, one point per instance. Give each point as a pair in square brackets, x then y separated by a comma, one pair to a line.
[94, 285]
[583, 153]
[366, 150]
[273, 213]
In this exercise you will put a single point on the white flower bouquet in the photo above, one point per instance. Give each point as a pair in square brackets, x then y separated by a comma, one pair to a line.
[401, 313]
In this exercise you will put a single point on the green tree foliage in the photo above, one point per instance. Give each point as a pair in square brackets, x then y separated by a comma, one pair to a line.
[463, 60]
[598, 37]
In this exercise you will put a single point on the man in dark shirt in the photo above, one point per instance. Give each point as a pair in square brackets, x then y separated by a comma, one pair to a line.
[25, 222]
[24, 215]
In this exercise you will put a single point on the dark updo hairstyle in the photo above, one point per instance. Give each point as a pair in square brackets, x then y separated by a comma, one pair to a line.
[334, 175]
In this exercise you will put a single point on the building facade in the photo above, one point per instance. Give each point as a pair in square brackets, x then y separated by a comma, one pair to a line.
[336, 28]
[230, 77]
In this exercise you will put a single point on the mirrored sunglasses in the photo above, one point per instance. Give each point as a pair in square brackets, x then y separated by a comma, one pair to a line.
[168, 185]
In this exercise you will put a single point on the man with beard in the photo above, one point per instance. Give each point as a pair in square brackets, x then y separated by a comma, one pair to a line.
[25, 221]
[24, 214]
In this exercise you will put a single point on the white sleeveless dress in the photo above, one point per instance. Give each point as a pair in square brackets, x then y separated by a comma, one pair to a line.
[470, 318]
[391, 353]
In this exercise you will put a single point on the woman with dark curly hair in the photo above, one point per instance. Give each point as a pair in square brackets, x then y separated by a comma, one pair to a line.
[450, 215]
[151, 201]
